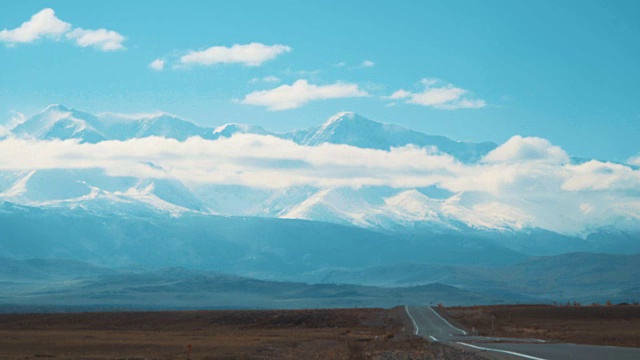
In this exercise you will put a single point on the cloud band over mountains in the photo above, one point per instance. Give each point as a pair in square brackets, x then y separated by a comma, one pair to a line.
[526, 180]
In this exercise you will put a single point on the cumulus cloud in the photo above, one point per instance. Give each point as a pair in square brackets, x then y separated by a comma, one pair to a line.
[299, 93]
[157, 64]
[598, 176]
[265, 79]
[45, 24]
[42, 24]
[253, 54]
[16, 119]
[519, 148]
[439, 95]
[368, 64]
[635, 160]
[102, 39]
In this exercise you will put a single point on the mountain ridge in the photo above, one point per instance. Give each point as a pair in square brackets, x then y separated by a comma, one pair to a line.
[349, 128]
[589, 278]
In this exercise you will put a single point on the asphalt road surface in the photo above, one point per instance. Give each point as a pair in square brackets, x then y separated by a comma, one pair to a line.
[429, 324]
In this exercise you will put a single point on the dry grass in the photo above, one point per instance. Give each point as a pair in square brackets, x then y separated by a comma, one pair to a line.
[597, 325]
[304, 334]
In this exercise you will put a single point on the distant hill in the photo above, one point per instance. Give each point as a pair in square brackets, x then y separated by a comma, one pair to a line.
[40, 270]
[583, 277]
[175, 288]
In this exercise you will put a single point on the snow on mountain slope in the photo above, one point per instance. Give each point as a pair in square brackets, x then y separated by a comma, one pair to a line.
[282, 201]
[371, 207]
[360, 207]
[485, 214]
[227, 130]
[342, 206]
[14, 183]
[59, 122]
[412, 206]
[352, 129]
[386, 208]
[131, 203]
[55, 184]
[230, 199]
[170, 191]
[92, 188]
[123, 127]
[145, 192]
[45, 185]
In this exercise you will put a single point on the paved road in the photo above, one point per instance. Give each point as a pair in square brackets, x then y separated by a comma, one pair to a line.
[429, 324]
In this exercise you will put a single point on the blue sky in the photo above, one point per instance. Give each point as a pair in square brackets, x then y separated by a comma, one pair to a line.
[565, 71]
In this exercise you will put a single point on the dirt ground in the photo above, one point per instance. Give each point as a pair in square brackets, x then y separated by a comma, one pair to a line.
[300, 334]
[616, 325]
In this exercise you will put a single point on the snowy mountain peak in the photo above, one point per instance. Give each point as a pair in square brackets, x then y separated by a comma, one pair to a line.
[59, 122]
[411, 194]
[162, 115]
[350, 128]
[56, 107]
[339, 117]
[346, 128]
[227, 130]
[110, 117]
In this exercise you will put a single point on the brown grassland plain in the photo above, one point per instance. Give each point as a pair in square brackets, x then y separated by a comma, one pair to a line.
[615, 325]
[275, 334]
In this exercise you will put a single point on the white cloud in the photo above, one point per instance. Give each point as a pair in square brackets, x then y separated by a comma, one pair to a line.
[102, 39]
[598, 176]
[252, 160]
[439, 95]
[529, 192]
[253, 54]
[400, 94]
[42, 24]
[520, 148]
[265, 79]
[157, 64]
[46, 24]
[4, 131]
[368, 64]
[16, 119]
[299, 93]
[635, 160]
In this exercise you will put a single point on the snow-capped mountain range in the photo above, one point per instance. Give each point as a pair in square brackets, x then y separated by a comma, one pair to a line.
[378, 207]
[60, 122]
